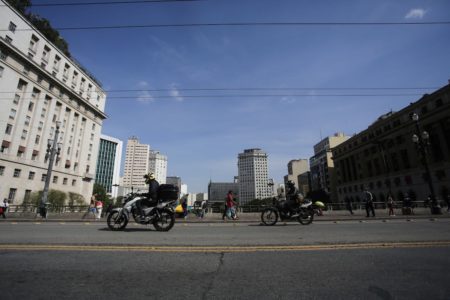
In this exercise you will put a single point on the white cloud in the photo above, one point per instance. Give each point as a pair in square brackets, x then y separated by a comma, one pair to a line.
[143, 95]
[175, 93]
[416, 13]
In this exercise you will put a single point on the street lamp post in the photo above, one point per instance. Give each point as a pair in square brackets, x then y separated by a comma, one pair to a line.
[53, 149]
[421, 139]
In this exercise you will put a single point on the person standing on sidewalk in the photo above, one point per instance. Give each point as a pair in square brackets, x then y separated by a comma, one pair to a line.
[230, 205]
[348, 204]
[99, 208]
[390, 204]
[91, 208]
[369, 203]
[4, 208]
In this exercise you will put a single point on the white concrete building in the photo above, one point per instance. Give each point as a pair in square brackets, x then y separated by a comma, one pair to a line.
[136, 163]
[158, 165]
[39, 86]
[253, 176]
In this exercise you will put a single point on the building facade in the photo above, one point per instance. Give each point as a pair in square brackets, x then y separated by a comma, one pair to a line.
[253, 175]
[322, 165]
[217, 191]
[136, 164]
[108, 164]
[384, 158]
[158, 165]
[42, 86]
[295, 168]
[175, 180]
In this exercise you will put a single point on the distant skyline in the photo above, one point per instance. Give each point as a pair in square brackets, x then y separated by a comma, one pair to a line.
[203, 94]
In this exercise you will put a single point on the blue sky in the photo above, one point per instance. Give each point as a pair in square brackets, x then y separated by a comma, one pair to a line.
[203, 136]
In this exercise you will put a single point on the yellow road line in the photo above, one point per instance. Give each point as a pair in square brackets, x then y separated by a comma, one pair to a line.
[220, 249]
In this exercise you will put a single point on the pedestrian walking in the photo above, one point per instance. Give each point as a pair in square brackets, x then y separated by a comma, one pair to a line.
[4, 208]
[184, 206]
[91, 208]
[348, 203]
[225, 210]
[390, 204]
[231, 214]
[368, 197]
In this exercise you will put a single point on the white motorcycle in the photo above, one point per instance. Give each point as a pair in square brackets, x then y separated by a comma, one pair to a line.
[161, 215]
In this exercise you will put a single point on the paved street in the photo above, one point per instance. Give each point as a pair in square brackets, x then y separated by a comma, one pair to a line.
[398, 259]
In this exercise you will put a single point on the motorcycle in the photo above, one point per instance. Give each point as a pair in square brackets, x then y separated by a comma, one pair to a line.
[303, 211]
[161, 215]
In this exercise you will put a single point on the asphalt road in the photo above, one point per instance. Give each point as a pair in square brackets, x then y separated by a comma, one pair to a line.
[345, 260]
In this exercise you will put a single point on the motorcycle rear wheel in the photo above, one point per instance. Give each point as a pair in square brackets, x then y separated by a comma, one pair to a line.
[166, 220]
[305, 217]
[269, 216]
[117, 221]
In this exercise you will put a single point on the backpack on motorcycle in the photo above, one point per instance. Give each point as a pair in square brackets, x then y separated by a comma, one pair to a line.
[168, 192]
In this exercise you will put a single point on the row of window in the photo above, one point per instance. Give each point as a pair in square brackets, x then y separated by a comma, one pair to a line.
[31, 175]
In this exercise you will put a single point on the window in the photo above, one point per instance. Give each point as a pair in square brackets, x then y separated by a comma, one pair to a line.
[27, 120]
[30, 106]
[20, 152]
[24, 134]
[12, 114]
[31, 175]
[12, 194]
[12, 27]
[56, 63]
[34, 155]
[16, 99]
[46, 54]
[41, 125]
[37, 139]
[65, 181]
[8, 39]
[33, 44]
[74, 182]
[8, 129]
[2, 170]
[43, 177]
[17, 172]
[44, 110]
[55, 179]
[1, 71]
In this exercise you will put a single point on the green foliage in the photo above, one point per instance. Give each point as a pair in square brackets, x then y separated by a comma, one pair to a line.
[36, 198]
[20, 5]
[56, 198]
[102, 195]
[76, 199]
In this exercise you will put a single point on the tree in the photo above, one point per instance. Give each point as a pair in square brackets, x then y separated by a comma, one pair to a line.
[102, 195]
[55, 198]
[76, 199]
[20, 5]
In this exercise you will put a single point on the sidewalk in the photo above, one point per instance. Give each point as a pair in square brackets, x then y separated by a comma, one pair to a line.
[336, 215]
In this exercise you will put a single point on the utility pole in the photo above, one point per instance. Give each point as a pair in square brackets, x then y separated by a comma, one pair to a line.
[53, 149]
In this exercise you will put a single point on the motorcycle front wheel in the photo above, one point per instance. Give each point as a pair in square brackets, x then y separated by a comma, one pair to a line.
[306, 216]
[117, 221]
[165, 221]
[269, 216]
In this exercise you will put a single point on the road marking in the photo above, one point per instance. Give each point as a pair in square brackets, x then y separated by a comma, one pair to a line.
[221, 249]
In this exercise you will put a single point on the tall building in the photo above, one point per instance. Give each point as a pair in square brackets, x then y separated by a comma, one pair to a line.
[253, 175]
[322, 165]
[296, 167]
[385, 159]
[136, 163]
[177, 182]
[108, 164]
[158, 165]
[44, 86]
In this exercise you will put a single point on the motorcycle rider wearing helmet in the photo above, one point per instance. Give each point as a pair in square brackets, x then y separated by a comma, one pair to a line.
[151, 197]
[292, 195]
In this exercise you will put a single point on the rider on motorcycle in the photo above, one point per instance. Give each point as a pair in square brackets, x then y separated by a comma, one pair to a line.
[293, 196]
[151, 197]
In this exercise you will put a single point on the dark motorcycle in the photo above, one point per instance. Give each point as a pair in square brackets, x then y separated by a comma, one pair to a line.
[160, 214]
[302, 210]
